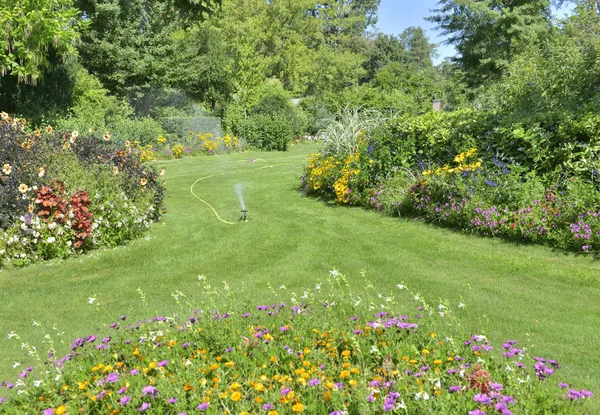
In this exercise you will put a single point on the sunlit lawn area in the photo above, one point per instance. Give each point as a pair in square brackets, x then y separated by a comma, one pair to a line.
[546, 300]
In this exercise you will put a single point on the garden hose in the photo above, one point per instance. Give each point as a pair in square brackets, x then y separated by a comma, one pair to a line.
[222, 174]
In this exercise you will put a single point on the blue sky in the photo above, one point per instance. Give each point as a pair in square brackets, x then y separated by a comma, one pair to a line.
[397, 15]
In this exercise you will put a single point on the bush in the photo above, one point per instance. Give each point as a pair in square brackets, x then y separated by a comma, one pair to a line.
[180, 127]
[62, 193]
[267, 132]
[339, 350]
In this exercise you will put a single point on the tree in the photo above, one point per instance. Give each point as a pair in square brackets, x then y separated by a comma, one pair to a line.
[33, 30]
[384, 49]
[418, 49]
[488, 33]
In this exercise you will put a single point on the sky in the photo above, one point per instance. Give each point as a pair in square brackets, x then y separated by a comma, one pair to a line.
[396, 15]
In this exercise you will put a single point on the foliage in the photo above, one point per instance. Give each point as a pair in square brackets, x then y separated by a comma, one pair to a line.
[267, 132]
[62, 194]
[32, 30]
[180, 127]
[489, 33]
[331, 352]
[343, 135]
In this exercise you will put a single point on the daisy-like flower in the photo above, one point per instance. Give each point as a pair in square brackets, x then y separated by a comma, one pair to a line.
[49, 129]
[6, 169]
[38, 133]
[127, 143]
[42, 172]
[74, 136]
[4, 115]
[106, 137]
[143, 182]
[162, 172]
[23, 188]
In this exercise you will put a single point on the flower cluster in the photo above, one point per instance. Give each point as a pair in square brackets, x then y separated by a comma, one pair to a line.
[54, 188]
[461, 166]
[327, 354]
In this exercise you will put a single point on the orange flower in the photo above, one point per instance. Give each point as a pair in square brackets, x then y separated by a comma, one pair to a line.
[236, 396]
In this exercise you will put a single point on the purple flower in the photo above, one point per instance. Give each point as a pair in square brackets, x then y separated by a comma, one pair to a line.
[112, 378]
[150, 390]
[203, 406]
[453, 389]
[145, 405]
[496, 386]
[587, 394]
[482, 398]
[122, 390]
[134, 372]
[185, 345]
[162, 363]
[563, 385]
[314, 382]
[48, 411]
[573, 394]
[508, 399]
[285, 391]
[101, 395]
[124, 400]
[172, 400]
[268, 406]
[371, 398]
[2, 400]
[336, 413]
[476, 412]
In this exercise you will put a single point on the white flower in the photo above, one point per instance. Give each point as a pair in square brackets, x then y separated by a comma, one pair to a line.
[282, 287]
[441, 307]
[16, 364]
[37, 383]
[401, 287]
[35, 323]
[422, 395]
[374, 350]
[51, 240]
[334, 273]
[479, 337]
[442, 314]
[91, 300]
[460, 305]
[318, 287]
[11, 335]
[201, 277]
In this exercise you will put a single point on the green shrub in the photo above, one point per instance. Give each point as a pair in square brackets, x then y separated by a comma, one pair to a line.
[180, 127]
[267, 132]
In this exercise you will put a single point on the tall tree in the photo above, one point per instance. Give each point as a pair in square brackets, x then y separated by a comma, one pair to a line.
[418, 49]
[488, 33]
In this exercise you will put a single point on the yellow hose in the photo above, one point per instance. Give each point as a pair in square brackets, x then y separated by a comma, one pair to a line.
[221, 174]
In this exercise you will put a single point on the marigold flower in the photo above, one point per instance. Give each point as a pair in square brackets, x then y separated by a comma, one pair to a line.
[298, 407]
[236, 396]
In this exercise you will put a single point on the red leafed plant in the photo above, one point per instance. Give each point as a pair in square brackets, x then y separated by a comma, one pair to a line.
[82, 220]
[52, 205]
[479, 379]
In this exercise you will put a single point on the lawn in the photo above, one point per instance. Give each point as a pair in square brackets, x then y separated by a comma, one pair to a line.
[544, 299]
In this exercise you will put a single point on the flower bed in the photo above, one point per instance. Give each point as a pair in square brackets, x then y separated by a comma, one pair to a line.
[62, 193]
[328, 351]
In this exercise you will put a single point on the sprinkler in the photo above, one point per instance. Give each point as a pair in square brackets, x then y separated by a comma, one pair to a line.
[244, 216]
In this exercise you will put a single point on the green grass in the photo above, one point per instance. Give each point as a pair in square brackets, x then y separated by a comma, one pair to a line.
[546, 300]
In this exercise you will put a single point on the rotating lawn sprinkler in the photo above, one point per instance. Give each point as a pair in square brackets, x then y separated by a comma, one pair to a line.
[238, 190]
[244, 216]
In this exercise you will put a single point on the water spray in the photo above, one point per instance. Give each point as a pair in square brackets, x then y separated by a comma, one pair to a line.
[244, 216]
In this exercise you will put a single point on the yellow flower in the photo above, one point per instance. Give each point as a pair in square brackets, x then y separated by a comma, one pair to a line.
[106, 136]
[74, 136]
[236, 396]
[6, 169]
[49, 129]
[344, 374]
[437, 362]
[273, 413]
[152, 365]
[42, 172]
[23, 188]
[60, 410]
[298, 407]
[127, 143]
[425, 352]
[143, 182]
[162, 139]
[162, 172]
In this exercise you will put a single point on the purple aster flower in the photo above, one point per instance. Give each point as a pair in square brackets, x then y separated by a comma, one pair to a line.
[124, 400]
[508, 399]
[338, 385]
[336, 413]
[246, 315]
[388, 406]
[482, 398]
[268, 406]
[563, 385]
[150, 390]
[101, 395]
[573, 394]
[134, 372]
[172, 400]
[185, 345]
[314, 382]
[106, 339]
[145, 405]
[375, 384]
[162, 363]
[371, 398]
[496, 386]
[123, 317]
[453, 389]
[90, 339]
[285, 391]
[2, 400]
[48, 411]
[284, 328]
[587, 394]
[354, 318]
[203, 406]
[112, 378]
[122, 390]
[477, 412]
